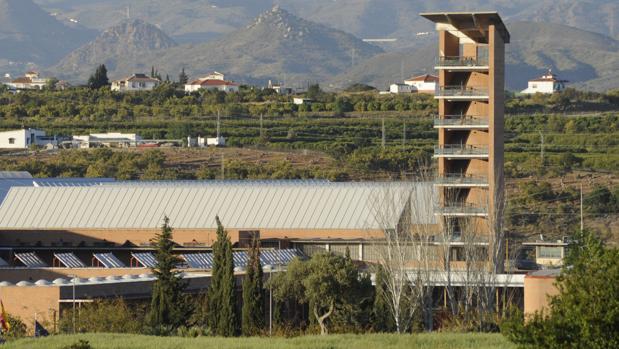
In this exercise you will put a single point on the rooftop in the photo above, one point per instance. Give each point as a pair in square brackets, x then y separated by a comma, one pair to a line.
[469, 24]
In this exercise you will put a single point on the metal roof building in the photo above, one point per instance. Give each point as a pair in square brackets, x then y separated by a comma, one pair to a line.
[194, 205]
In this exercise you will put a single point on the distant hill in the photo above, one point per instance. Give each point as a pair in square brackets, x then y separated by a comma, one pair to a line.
[588, 60]
[30, 35]
[276, 45]
[120, 48]
[197, 21]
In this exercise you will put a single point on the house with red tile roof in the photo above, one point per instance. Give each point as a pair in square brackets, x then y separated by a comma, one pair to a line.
[212, 81]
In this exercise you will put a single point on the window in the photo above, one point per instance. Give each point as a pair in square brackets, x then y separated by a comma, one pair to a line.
[549, 252]
[11, 140]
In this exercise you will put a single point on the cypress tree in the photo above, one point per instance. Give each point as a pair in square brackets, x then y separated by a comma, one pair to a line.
[253, 296]
[168, 309]
[182, 77]
[221, 294]
[99, 78]
[382, 320]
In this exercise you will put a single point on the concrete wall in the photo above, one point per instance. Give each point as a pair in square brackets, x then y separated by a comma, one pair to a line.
[24, 302]
[181, 236]
[537, 289]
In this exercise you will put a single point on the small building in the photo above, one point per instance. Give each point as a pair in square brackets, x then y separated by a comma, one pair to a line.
[549, 254]
[299, 100]
[423, 83]
[109, 140]
[216, 141]
[212, 81]
[135, 82]
[400, 88]
[25, 138]
[31, 81]
[547, 84]
[538, 287]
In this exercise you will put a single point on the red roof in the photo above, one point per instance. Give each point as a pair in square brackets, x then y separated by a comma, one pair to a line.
[213, 82]
[424, 78]
[22, 80]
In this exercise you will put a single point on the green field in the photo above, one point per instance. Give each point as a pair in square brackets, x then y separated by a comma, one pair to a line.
[370, 341]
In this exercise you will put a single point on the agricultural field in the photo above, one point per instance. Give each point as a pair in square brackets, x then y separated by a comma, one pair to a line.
[368, 341]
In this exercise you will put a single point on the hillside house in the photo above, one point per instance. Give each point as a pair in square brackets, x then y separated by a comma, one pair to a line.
[135, 82]
[547, 84]
[31, 81]
[212, 81]
[423, 83]
[24, 138]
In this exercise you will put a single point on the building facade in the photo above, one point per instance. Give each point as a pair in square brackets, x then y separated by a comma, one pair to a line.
[25, 138]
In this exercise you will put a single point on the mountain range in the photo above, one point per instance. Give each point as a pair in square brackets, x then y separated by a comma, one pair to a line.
[298, 41]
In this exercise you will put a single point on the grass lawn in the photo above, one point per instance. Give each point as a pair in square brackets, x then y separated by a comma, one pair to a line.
[370, 341]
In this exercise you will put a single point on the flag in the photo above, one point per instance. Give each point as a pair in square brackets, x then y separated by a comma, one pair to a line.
[4, 320]
[39, 330]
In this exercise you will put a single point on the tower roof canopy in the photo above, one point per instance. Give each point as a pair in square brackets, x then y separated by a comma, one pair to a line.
[471, 25]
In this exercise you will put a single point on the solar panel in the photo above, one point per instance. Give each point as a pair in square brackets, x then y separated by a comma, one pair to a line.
[109, 260]
[199, 260]
[30, 260]
[271, 257]
[147, 259]
[69, 260]
[3, 263]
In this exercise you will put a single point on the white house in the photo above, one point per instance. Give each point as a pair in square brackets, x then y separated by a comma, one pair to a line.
[212, 81]
[400, 88]
[31, 81]
[547, 84]
[24, 138]
[423, 83]
[135, 82]
[109, 140]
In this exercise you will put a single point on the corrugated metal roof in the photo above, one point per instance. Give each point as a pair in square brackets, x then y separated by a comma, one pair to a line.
[7, 183]
[14, 174]
[240, 205]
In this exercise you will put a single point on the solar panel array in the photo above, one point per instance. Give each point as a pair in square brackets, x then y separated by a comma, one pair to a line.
[147, 259]
[267, 257]
[69, 260]
[109, 260]
[30, 260]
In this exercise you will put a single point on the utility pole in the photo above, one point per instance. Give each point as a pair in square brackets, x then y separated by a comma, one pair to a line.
[261, 130]
[404, 135]
[383, 139]
[353, 57]
[217, 125]
[223, 167]
[541, 136]
[582, 221]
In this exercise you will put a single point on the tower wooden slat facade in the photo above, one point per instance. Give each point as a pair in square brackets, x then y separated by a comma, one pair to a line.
[471, 69]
